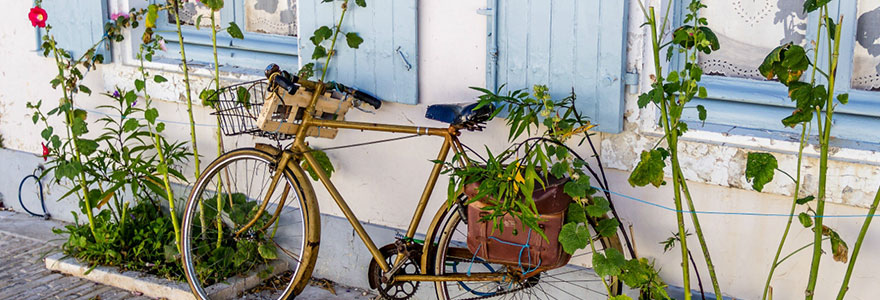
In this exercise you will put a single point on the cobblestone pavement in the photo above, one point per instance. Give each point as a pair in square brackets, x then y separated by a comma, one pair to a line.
[23, 275]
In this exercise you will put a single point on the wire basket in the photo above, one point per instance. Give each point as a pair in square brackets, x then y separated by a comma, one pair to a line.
[239, 116]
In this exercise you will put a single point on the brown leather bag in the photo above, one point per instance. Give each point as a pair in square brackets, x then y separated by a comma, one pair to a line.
[505, 247]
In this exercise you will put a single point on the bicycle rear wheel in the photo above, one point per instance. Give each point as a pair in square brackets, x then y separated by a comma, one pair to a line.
[574, 281]
[268, 260]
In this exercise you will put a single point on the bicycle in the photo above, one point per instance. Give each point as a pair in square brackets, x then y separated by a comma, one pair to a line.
[235, 206]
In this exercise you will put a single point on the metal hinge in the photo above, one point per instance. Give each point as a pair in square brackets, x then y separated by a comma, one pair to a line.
[631, 81]
[488, 11]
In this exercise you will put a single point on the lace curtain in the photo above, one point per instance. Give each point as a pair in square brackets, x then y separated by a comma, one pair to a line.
[190, 12]
[866, 64]
[748, 30]
[271, 16]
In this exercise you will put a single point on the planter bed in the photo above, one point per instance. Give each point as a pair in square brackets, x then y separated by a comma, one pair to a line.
[152, 286]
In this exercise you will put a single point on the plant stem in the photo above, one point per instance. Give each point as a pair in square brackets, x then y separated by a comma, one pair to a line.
[604, 282]
[671, 140]
[797, 187]
[219, 130]
[699, 232]
[823, 159]
[844, 287]
[73, 137]
[333, 42]
[159, 152]
[189, 110]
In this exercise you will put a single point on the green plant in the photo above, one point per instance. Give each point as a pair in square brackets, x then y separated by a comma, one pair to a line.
[670, 94]
[507, 179]
[787, 64]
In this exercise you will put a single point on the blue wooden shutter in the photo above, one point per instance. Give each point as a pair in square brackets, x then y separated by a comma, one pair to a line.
[78, 24]
[385, 65]
[564, 44]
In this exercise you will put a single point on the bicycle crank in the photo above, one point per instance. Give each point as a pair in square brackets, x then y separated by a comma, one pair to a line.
[400, 290]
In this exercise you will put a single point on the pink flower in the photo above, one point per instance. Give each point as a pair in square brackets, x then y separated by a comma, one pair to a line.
[162, 45]
[119, 14]
[38, 17]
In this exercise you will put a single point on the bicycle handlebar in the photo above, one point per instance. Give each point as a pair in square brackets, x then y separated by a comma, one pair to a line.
[281, 80]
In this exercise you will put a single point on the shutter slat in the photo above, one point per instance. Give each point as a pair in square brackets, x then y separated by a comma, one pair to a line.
[566, 44]
[78, 24]
[376, 67]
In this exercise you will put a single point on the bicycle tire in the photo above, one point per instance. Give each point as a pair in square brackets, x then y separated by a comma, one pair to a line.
[454, 230]
[299, 215]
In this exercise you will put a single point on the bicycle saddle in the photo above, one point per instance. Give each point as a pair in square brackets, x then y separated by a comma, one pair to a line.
[463, 115]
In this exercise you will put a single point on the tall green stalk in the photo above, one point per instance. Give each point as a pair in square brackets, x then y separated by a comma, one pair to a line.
[73, 137]
[672, 141]
[797, 185]
[824, 140]
[219, 130]
[333, 42]
[157, 143]
[189, 109]
[844, 287]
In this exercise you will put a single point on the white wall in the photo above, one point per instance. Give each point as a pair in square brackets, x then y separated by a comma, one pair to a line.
[383, 182]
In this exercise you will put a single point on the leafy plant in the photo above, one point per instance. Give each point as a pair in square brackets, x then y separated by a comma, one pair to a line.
[325, 34]
[787, 64]
[671, 95]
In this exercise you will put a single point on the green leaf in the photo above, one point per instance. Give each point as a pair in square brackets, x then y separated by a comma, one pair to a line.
[702, 112]
[813, 5]
[787, 63]
[130, 125]
[152, 14]
[805, 219]
[353, 39]
[159, 79]
[599, 207]
[760, 168]
[805, 200]
[559, 169]
[649, 170]
[620, 297]
[160, 127]
[574, 237]
[575, 189]
[319, 52]
[843, 98]
[575, 213]
[831, 26]
[267, 251]
[323, 162]
[47, 133]
[609, 263]
[234, 31]
[607, 227]
[85, 89]
[86, 146]
[321, 34]
[214, 5]
[151, 115]
[361, 3]
[130, 97]
[242, 96]
[139, 85]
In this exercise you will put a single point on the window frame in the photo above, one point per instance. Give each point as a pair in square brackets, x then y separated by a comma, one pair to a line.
[255, 51]
[740, 102]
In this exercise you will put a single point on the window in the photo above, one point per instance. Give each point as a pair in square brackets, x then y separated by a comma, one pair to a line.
[566, 45]
[749, 30]
[269, 27]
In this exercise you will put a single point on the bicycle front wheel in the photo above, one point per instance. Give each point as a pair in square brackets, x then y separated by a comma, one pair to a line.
[267, 260]
[574, 281]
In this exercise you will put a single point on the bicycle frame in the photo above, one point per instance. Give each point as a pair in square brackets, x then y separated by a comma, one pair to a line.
[300, 150]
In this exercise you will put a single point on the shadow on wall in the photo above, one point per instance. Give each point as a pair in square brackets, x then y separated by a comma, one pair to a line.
[868, 33]
[790, 15]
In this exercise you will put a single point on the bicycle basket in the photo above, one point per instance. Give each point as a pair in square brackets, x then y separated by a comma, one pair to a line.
[238, 106]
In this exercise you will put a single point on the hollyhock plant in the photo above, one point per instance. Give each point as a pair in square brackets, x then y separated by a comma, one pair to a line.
[115, 16]
[38, 17]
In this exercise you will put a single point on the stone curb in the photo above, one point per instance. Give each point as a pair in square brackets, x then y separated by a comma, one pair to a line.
[152, 286]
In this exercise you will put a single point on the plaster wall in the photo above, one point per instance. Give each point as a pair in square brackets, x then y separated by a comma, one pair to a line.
[383, 182]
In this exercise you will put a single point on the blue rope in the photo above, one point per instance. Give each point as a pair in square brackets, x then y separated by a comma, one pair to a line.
[725, 212]
[523, 247]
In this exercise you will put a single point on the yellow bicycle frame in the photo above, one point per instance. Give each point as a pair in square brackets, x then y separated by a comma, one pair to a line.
[300, 150]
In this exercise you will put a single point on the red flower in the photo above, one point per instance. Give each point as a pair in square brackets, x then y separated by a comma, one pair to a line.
[38, 17]
[45, 151]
